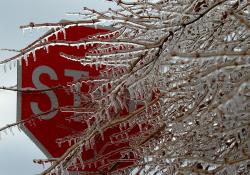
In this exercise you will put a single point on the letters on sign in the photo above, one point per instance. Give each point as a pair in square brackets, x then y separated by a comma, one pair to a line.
[75, 74]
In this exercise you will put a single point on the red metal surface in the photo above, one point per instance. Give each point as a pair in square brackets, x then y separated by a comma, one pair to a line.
[107, 155]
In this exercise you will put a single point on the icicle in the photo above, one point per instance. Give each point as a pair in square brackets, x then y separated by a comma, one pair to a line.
[88, 123]
[10, 65]
[89, 165]
[120, 102]
[92, 97]
[34, 55]
[20, 61]
[72, 87]
[69, 142]
[96, 66]
[56, 34]
[109, 37]
[102, 134]
[140, 127]
[120, 126]
[126, 135]
[113, 72]
[146, 107]
[159, 119]
[111, 140]
[10, 128]
[87, 145]
[56, 171]
[75, 140]
[124, 125]
[47, 48]
[161, 16]
[81, 162]
[108, 116]
[101, 90]
[78, 46]
[4, 67]
[113, 102]
[61, 169]
[91, 65]
[14, 63]
[248, 145]
[64, 33]
[78, 87]
[92, 143]
[19, 128]
[5, 132]
[59, 144]
[25, 59]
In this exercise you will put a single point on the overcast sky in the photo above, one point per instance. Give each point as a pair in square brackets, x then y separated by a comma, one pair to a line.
[17, 152]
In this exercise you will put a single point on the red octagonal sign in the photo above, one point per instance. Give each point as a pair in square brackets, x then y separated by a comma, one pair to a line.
[46, 125]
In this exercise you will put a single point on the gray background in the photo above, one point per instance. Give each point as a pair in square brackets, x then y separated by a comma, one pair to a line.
[17, 152]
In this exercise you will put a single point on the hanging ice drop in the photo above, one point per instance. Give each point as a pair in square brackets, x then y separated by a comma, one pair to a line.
[34, 55]
[4, 67]
[64, 33]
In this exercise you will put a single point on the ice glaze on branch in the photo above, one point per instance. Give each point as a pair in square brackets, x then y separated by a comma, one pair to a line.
[195, 53]
[184, 65]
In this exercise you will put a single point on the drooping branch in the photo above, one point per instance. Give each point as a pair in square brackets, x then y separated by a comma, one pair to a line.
[181, 71]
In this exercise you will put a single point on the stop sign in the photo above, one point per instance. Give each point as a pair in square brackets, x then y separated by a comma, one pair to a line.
[50, 127]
